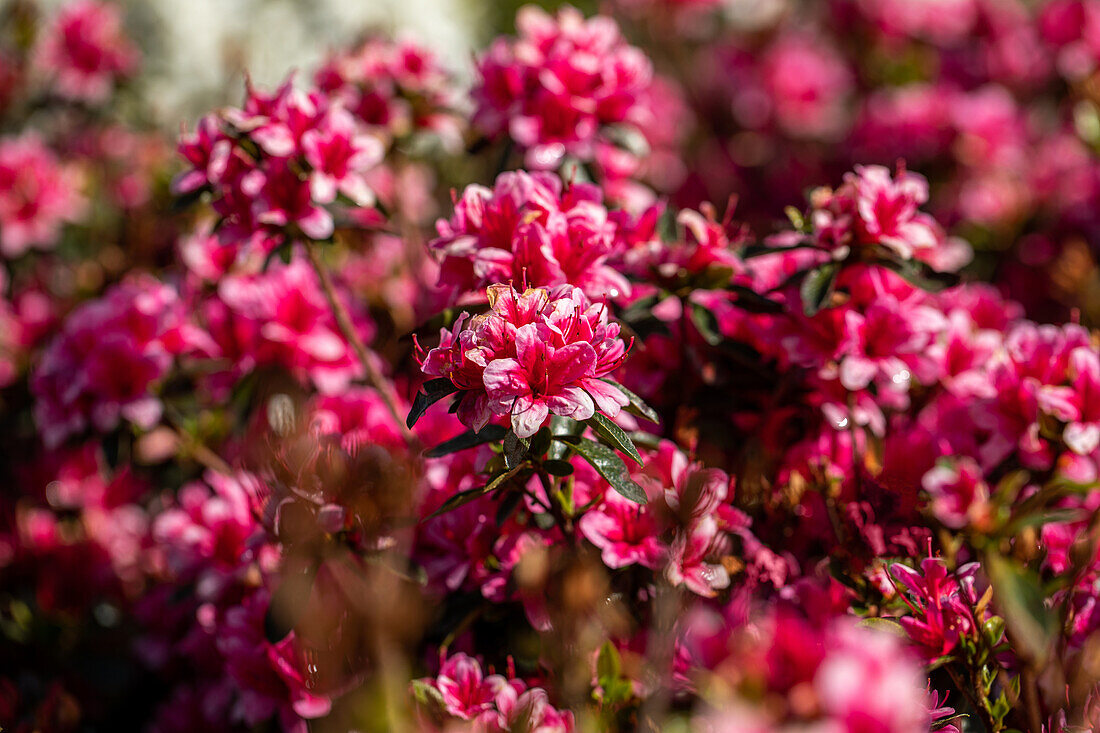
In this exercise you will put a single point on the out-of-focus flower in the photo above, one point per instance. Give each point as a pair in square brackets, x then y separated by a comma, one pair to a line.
[37, 196]
[85, 51]
[561, 87]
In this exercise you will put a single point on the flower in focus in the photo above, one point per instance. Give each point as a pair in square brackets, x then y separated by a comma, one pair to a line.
[533, 353]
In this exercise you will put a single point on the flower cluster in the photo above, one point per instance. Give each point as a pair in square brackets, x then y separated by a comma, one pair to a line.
[848, 478]
[85, 51]
[396, 88]
[37, 195]
[274, 165]
[530, 228]
[562, 87]
[533, 353]
[100, 369]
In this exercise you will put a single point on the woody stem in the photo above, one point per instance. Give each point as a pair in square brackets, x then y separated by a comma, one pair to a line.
[343, 320]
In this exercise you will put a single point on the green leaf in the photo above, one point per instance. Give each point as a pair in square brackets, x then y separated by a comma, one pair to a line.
[885, 625]
[1019, 596]
[706, 323]
[469, 439]
[508, 506]
[558, 468]
[752, 301]
[426, 695]
[608, 464]
[817, 288]
[609, 666]
[515, 448]
[637, 405]
[613, 435]
[919, 274]
[540, 442]
[433, 391]
[465, 497]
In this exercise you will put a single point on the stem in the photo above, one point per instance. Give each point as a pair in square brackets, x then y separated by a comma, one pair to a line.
[343, 321]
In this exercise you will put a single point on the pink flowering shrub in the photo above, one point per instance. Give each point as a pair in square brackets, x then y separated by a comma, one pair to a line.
[764, 337]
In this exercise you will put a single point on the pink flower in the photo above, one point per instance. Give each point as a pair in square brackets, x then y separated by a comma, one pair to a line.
[940, 604]
[557, 88]
[534, 353]
[1082, 434]
[873, 208]
[466, 693]
[281, 318]
[529, 229]
[959, 493]
[807, 85]
[86, 51]
[101, 368]
[398, 88]
[626, 533]
[305, 149]
[37, 196]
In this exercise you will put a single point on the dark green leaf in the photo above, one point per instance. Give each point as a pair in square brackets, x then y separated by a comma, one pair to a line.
[637, 405]
[817, 288]
[540, 441]
[469, 439]
[614, 436]
[558, 468]
[1019, 596]
[754, 302]
[919, 274]
[706, 323]
[515, 448]
[508, 506]
[432, 391]
[608, 464]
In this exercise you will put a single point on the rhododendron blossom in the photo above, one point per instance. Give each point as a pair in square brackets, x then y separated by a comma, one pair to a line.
[85, 50]
[37, 196]
[529, 228]
[534, 353]
[559, 88]
[103, 365]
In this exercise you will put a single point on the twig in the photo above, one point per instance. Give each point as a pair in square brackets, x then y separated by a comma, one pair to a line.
[343, 321]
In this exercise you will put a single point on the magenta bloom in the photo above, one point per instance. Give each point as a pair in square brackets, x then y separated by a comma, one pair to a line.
[37, 196]
[531, 229]
[534, 353]
[558, 88]
[306, 149]
[101, 368]
[874, 208]
[281, 318]
[395, 87]
[466, 693]
[86, 51]
[958, 492]
[627, 533]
